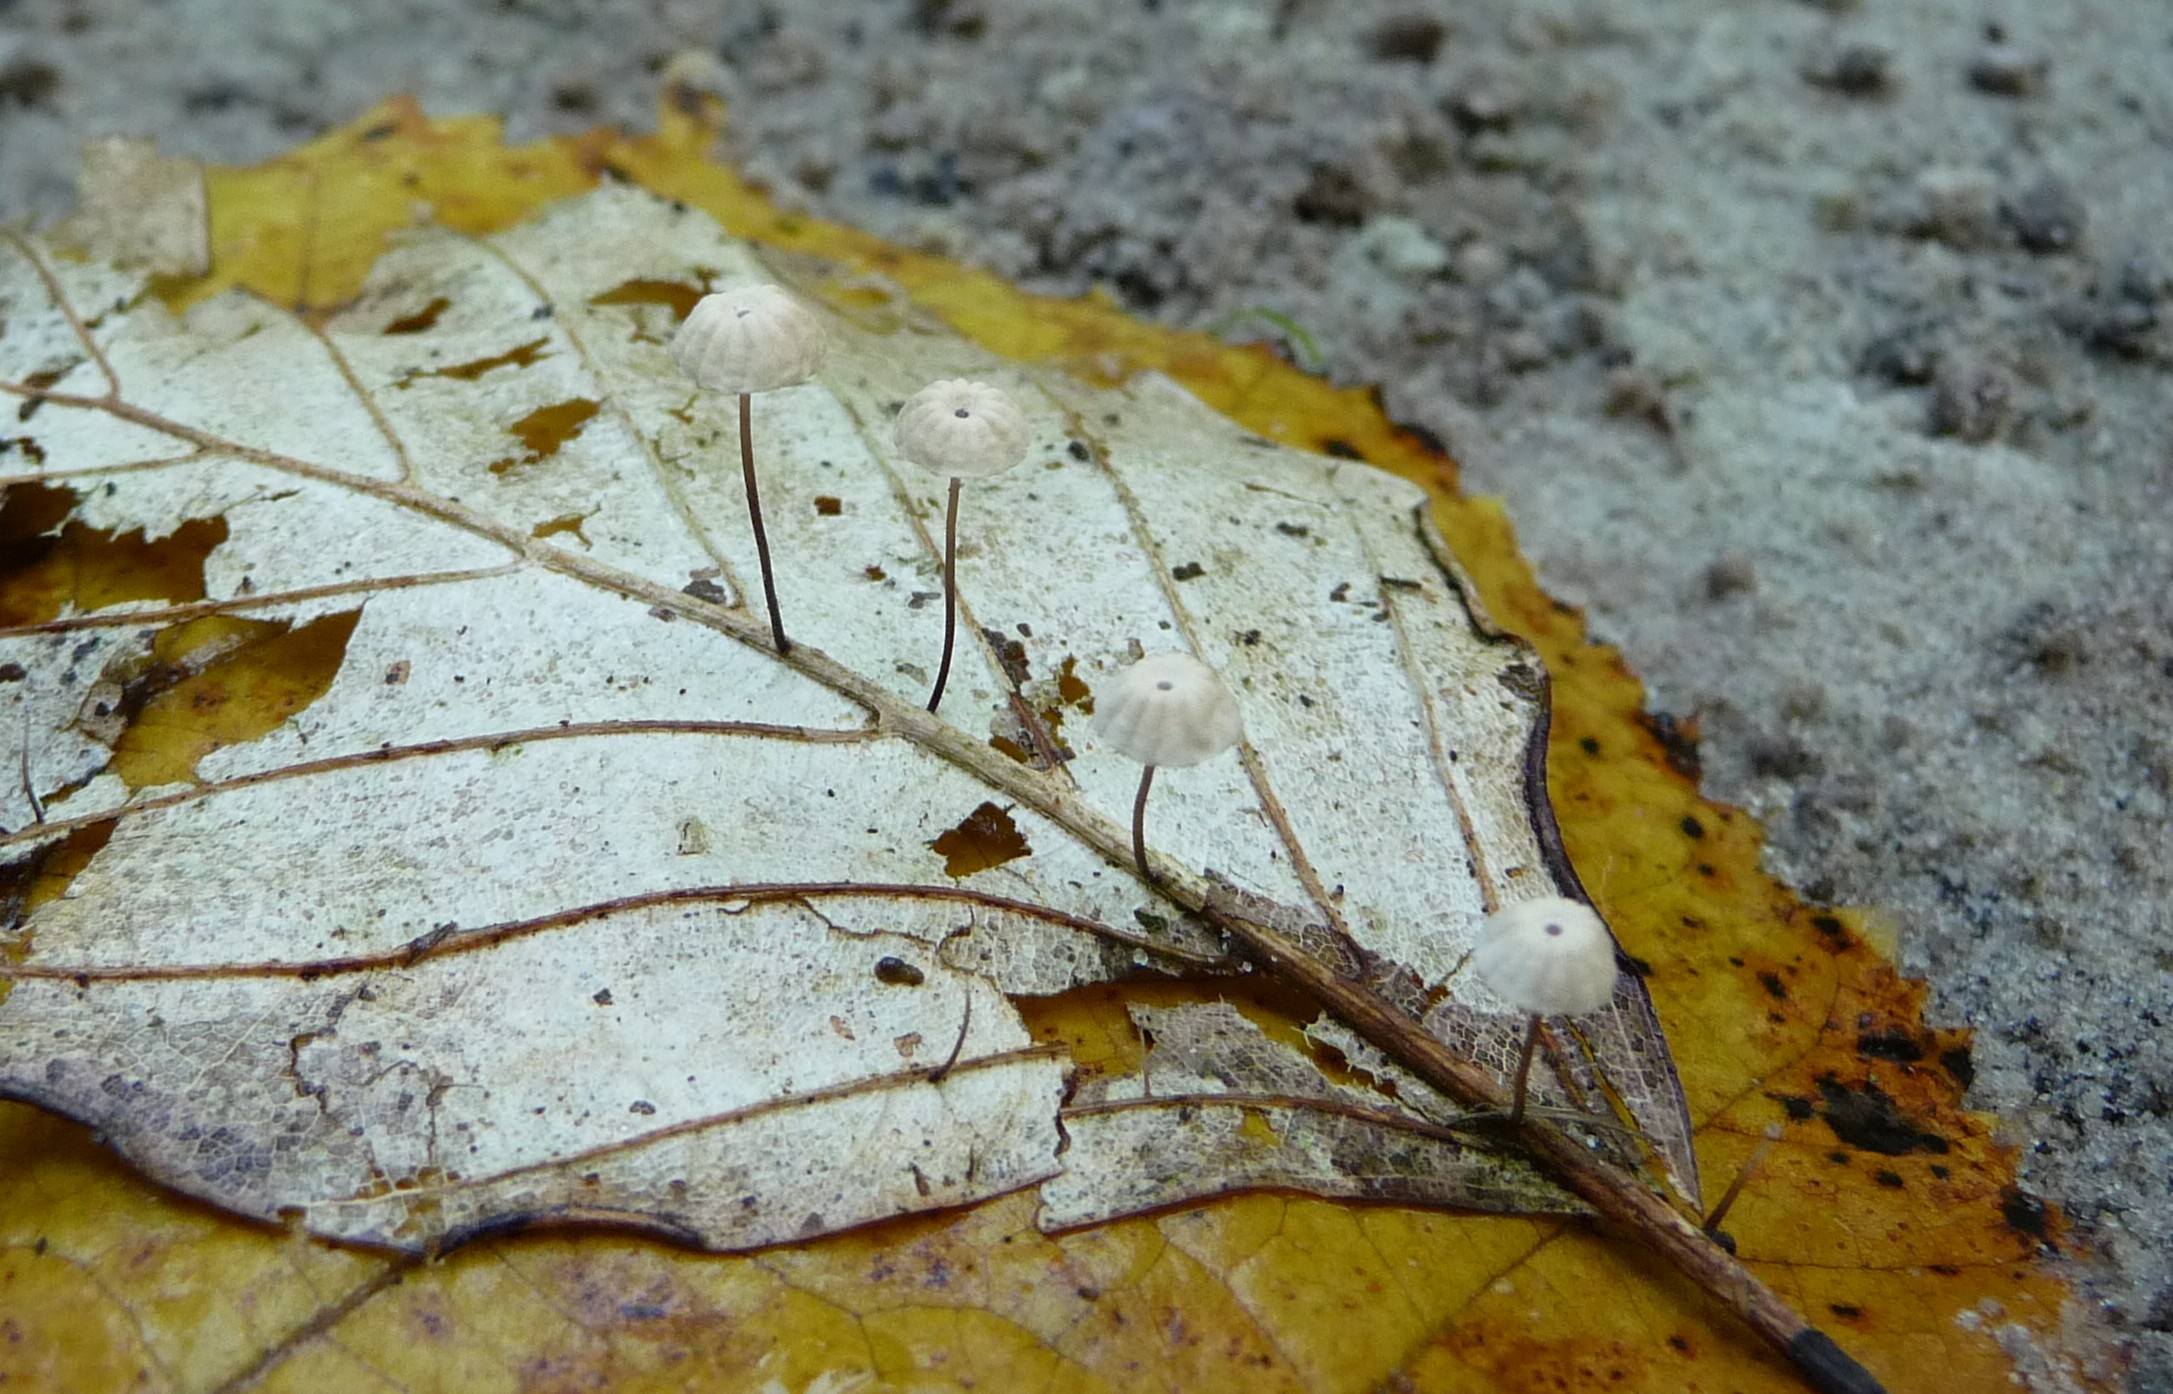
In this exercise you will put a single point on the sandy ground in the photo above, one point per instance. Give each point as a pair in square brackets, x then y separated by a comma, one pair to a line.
[1820, 347]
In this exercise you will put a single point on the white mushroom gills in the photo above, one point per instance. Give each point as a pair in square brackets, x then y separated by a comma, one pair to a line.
[749, 339]
[1167, 709]
[966, 430]
[1547, 957]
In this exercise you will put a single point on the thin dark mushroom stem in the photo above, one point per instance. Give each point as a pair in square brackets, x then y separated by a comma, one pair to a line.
[754, 512]
[1743, 1174]
[1524, 1069]
[1139, 825]
[950, 596]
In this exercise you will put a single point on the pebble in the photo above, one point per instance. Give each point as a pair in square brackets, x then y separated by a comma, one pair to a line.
[1856, 71]
[1403, 249]
[1957, 206]
[2006, 70]
[2046, 217]
[1970, 401]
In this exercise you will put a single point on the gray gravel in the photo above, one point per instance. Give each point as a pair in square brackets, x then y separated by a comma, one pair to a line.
[1821, 349]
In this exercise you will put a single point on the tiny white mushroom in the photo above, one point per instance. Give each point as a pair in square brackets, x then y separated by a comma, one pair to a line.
[1168, 709]
[966, 430]
[1548, 957]
[752, 338]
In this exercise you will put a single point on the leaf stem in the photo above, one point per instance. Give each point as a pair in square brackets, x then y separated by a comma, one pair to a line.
[754, 513]
[950, 596]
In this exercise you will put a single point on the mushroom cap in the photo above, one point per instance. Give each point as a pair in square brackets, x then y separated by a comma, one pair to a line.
[961, 428]
[750, 338]
[1169, 709]
[1551, 957]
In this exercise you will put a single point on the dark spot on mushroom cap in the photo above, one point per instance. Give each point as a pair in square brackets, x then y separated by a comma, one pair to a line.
[1555, 930]
[744, 313]
[1164, 685]
[961, 413]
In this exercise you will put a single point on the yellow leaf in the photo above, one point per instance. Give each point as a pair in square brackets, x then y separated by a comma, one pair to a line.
[1886, 1213]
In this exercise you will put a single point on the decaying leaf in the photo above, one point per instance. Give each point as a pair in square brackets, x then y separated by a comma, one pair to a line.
[432, 950]
[1886, 1211]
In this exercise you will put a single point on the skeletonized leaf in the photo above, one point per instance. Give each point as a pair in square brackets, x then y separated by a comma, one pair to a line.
[444, 847]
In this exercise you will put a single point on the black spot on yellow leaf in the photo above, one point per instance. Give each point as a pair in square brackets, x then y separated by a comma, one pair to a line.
[1898, 1046]
[2025, 1214]
[1678, 738]
[1867, 1118]
[986, 838]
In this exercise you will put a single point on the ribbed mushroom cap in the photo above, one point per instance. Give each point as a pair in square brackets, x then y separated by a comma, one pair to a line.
[960, 428]
[1170, 709]
[749, 339]
[1551, 957]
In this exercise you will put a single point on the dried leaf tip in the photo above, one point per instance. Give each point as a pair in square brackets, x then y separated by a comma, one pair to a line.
[1168, 709]
[1549, 957]
[751, 338]
[961, 428]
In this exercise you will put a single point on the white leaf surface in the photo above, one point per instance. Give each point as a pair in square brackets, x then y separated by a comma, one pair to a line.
[562, 896]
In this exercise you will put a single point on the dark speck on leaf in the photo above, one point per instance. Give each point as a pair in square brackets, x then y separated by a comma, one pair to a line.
[704, 589]
[1190, 571]
[898, 973]
[1678, 737]
[1866, 1117]
[2024, 1213]
[1898, 1046]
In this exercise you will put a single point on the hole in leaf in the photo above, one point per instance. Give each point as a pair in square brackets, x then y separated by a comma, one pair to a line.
[1071, 689]
[571, 522]
[544, 430]
[986, 839]
[421, 320]
[50, 565]
[681, 296]
[221, 681]
[520, 357]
